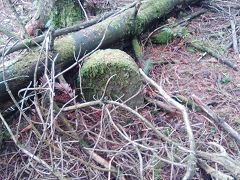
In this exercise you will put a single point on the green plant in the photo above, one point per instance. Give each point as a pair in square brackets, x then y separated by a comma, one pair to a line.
[157, 166]
[212, 131]
[226, 80]
[5, 136]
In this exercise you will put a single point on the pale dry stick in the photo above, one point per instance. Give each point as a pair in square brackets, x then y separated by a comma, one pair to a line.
[169, 161]
[125, 136]
[10, 79]
[53, 171]
[215, 174]
[110, 162]
[204, 54]
[82, 105]
[106, 85]
[52, 96]
[234, 36]
[85, 14]
[216, 119]
[61, 160]
[11, 6]
[192, 156]
[232, 165]
[171, 157]
[140, 163]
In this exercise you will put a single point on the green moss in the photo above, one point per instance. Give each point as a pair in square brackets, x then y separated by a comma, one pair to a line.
[211, 46]
[65, 47]
[157, 166]
[102, 65]
[191, 50]
[115, 25]
[5, 136]
[137, 49]
[27, 42]
[164, 37]
[65, 13]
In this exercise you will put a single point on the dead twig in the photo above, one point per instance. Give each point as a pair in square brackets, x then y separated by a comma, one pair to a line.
[192, 157]
[55, 172]
[234, 36]
[233, 166]
[215, 174]
[85, 14]
[11, 6]
[216, 119]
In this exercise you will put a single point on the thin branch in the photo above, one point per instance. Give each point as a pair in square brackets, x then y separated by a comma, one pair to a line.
[11, 6]
[192, 157]
[53, 171]
[85, 14]
[234, 36]
[216, 119]
[8, 33]
[215, 174]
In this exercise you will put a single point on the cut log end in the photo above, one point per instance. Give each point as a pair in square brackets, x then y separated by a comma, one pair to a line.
[104, 64]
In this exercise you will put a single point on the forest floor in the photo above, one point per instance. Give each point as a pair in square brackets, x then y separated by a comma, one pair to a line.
[182, 71]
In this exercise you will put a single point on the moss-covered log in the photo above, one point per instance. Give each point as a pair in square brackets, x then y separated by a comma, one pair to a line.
[125, 81]
[19, 72]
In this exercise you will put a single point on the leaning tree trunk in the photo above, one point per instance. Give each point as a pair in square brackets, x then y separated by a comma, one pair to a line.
[19, 72]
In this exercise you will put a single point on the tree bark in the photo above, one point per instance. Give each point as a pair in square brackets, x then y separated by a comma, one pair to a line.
[19, 72]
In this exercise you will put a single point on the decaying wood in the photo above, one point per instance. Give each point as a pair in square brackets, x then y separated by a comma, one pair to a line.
[123, 25]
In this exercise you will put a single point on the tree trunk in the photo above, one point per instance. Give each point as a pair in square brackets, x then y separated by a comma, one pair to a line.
[19, 72]
[60, 13]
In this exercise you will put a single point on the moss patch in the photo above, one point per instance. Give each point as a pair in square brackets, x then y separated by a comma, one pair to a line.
[65, 13]
[65, 47]
[103, 64]
[163, 37]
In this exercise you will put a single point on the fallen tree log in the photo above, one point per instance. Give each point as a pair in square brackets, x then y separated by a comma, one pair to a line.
[19, 72]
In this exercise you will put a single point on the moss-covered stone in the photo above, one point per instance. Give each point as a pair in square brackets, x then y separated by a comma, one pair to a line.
[103, 64]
